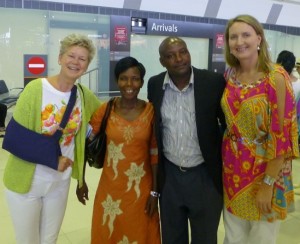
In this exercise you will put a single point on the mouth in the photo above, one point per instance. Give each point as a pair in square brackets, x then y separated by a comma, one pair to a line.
[241, 49]
[180, 66]
[73, 68]
[128, 91]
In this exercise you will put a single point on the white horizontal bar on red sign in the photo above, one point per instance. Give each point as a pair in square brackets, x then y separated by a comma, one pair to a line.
[36, 65]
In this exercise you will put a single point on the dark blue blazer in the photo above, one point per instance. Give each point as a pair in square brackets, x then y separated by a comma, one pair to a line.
[210, 121]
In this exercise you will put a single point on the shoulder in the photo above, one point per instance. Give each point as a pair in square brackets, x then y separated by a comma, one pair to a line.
[88, 95]
[207, 73]
[31, 95]
[86, 91]
[210, 78]
[33, 86]
[278, 76]
[149, 106]
[159, 76]
[149, 109]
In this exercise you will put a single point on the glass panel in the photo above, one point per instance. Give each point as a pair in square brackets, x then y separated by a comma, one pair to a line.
[19, 37]
[279, 41]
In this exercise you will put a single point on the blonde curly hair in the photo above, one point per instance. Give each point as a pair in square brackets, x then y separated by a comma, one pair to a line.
[77, 40]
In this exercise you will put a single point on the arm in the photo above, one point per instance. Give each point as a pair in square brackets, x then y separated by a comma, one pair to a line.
[265, 192]
[83, 191]
[220, 113]
[152, 202]
[90, 109]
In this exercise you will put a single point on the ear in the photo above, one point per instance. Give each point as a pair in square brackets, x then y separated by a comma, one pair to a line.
[59, 59]
[161, 60]
[259, 40]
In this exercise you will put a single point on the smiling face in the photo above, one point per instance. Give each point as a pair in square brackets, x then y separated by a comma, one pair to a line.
[130, 83]
[74, 62]
[175, 57]
[243, 41]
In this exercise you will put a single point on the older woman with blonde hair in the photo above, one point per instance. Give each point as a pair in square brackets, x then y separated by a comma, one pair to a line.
[37, 189]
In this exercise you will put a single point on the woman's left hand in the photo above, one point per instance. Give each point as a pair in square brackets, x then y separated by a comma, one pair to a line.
[264, 198]
[151, 205]
[82, 193]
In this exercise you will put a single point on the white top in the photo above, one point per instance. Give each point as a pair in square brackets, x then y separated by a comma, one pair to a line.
[296, 88]
[54, 103]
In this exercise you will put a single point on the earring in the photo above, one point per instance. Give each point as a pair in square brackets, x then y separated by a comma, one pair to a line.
[258, 47]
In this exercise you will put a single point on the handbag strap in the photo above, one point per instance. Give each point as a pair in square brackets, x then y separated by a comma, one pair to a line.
[67, 113]
[106, 115]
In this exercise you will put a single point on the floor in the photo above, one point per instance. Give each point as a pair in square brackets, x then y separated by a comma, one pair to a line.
[76, 226]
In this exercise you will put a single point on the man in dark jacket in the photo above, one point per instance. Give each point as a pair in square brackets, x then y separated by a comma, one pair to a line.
[188, 118]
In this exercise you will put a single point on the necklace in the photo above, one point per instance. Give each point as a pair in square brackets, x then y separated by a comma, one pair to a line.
[246, 85]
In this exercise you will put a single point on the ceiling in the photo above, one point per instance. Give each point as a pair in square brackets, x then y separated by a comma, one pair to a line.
[288, 1]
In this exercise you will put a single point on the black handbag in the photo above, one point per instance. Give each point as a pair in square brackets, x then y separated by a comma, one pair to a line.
[95, 149]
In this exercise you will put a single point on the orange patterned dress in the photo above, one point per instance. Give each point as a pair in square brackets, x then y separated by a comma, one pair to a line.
[126, 181]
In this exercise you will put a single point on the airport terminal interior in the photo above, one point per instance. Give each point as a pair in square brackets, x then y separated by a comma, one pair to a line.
[47, 23]
[77, 222]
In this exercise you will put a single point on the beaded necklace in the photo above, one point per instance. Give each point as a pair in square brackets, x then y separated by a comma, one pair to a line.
[248, 85]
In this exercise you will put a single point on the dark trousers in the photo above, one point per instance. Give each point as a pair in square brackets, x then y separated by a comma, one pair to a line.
[3, 112]
[189, 196]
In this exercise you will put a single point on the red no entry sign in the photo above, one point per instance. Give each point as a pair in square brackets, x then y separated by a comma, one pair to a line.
[36, 65]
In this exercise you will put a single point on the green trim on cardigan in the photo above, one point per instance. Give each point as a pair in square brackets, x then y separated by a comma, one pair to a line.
[18, 173]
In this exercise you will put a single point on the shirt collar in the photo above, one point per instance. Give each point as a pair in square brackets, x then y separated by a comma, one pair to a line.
[168, 81]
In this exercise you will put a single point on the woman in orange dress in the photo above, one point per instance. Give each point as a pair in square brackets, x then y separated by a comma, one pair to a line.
[125, 207]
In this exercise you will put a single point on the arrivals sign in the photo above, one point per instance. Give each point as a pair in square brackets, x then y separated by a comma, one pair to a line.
[182, 28]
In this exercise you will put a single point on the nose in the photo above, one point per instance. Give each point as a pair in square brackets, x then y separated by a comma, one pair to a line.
[178, 56]
[239, 40]
[128, 82]
[75, 60]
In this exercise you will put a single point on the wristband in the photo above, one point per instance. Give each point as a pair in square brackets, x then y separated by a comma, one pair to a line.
[269, 180]
[154, 194]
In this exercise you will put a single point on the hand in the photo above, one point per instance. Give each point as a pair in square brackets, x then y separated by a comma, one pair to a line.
[151, 205]
[82, 193]
[64, 163]
[264, 198]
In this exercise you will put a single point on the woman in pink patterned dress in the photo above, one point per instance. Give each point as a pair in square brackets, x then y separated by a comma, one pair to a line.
[261, 137]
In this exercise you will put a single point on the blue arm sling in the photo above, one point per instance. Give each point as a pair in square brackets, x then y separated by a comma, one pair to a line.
[35, 147]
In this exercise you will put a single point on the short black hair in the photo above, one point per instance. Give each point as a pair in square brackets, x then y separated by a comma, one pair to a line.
[126, 63]
[287, 60]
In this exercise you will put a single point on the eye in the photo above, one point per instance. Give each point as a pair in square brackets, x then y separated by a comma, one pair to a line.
[183, 52]
[122, 78]
[136, 78]
[170, 56]
[246, 34]
[232, 37]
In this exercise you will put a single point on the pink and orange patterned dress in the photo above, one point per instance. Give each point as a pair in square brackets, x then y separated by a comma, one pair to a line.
[126, 181]
[252, 139]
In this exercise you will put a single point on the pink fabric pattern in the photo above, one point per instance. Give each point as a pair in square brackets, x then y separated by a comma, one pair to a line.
[252, 139]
